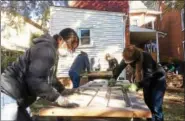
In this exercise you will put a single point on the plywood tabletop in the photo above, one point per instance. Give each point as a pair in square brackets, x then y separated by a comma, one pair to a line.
[97, 99]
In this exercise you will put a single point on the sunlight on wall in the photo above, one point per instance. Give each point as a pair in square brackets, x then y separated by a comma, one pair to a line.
[79, 22]
[141, 19]
[86, 16]
[71, 3]
[137, 5]
[178, 50]
[149, 19]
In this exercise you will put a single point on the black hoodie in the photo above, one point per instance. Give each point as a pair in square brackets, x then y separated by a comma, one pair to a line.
[28, 77]
[152, 72]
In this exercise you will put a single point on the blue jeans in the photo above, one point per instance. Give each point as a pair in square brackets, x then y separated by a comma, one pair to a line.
[9, 108]
[75, 78]
[153, 97]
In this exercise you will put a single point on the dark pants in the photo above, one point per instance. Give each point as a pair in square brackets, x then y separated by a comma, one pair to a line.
[75, 78]
[23, 115]
[153, 96]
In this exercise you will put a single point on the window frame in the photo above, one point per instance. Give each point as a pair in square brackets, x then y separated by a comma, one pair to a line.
[182, 19]
[90, 37]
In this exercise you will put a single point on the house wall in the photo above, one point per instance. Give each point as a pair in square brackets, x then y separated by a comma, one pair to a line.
[171, 44]
[142, 18]
[108, 5]
[107, 33]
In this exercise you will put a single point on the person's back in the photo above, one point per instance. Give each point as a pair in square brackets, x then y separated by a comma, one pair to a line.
[80, 64]
[20, 75]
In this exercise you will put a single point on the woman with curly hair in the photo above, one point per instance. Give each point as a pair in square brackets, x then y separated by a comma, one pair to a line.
[148, 75]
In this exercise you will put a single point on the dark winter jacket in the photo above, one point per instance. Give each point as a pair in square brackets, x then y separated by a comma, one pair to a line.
[152, 72]
[80, 64]
[113, 63]
[28, 77]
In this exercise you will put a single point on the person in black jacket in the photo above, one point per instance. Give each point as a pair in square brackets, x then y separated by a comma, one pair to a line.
[112, 62]
[28, 77]
[148, 75]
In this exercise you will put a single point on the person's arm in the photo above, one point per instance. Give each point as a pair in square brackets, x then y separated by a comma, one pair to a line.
[148, 68]
[115, 62]
[110, 64]
[41, 61]
[119, 69]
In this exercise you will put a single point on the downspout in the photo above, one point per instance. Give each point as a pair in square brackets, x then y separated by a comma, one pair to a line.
[157, 42]
[183, 44]
[183, 85]
[124, 35]
[125, 17]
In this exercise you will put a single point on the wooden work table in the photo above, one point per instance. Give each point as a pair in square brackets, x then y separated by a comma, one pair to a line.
[100, 74]
[96, 99]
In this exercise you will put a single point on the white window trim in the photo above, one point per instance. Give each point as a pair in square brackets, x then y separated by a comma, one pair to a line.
[161, 16]
[91, 41]
[153, 25]
[182, 21]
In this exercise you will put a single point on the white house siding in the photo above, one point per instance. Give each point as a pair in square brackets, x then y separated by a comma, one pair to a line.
[107, 30]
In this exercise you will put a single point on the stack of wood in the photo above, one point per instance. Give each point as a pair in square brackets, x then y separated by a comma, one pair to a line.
[174, 80]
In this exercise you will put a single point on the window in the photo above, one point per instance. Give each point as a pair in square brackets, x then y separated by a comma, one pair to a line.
[150, 25]
[85, 38]
[182, 19]
[135, 22]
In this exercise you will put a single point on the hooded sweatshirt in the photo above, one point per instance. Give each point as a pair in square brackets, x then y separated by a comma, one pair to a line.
[80, 64]
[28, 77]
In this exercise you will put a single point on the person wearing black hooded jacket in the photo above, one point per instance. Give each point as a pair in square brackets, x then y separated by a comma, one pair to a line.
[27, 78]
[148, 75]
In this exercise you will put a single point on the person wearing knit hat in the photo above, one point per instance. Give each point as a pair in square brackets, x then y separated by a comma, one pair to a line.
[148, 75]
[112, 61]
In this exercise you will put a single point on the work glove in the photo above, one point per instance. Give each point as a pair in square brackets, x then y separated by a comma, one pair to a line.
[133, 87]
[64, 102]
